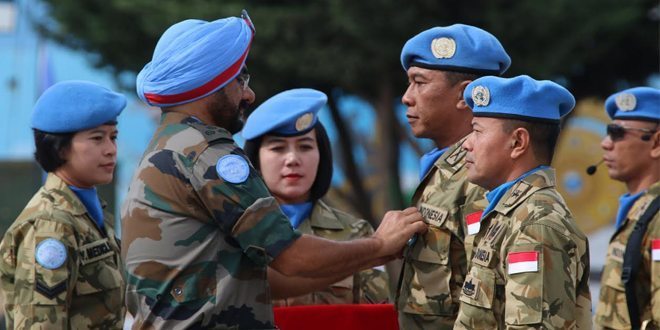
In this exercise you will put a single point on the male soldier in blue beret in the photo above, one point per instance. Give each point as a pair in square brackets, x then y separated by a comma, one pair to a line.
[199, 227]
[440, 62]
[530, 264]
[630, 284]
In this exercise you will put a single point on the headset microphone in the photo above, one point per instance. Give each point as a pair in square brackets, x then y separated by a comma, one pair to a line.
[592, 169]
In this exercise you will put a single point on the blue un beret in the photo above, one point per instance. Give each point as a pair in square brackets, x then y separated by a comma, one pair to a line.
[289, 113]
[520, 97]
[458, 47]
[639, 103]
[195, 58]
[72, 106]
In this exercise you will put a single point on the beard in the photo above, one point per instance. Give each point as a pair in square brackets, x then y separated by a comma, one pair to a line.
[227, 114]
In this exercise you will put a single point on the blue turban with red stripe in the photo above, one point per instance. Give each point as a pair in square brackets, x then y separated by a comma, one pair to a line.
[193, 59]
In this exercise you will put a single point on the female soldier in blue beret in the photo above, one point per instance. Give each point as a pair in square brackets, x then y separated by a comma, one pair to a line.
[290, 147]
[60, 265]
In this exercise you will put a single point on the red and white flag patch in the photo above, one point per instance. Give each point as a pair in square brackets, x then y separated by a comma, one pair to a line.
[655, 250]
[473, 221]
[523, 262]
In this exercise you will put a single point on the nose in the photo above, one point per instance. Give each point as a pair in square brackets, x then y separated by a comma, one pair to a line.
[407, 98]
[248, 95]
[111, 147]
[467, 144]
[607, 143]
[291, 159]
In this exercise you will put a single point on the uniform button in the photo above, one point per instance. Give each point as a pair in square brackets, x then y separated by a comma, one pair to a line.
[177, 291]
[158, 297]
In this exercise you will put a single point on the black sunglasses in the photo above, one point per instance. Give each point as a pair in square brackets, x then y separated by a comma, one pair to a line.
[617, 132]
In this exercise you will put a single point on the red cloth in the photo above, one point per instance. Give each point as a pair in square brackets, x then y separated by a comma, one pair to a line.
[333, 317]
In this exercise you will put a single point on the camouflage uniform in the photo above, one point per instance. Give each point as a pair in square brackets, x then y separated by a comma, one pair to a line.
[367, 287]
[86, 291]
[196, 246]
[612, 310]
[532, 219]
[435, 266]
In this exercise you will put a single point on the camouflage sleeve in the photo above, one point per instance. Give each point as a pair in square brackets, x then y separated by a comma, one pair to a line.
[374, 282]
[654, 248]
[245, 209]
[546, 270]
[43, 256]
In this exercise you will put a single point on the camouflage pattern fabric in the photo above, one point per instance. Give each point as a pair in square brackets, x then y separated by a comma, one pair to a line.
[197, 246]
[366, 287]
[435, 266]
[86, 291]
[612, 309]
[530, 266]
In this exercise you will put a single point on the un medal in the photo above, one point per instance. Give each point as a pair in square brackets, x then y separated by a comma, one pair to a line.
[303, 122]
[481, 96]
[626, 102]
[443, 47]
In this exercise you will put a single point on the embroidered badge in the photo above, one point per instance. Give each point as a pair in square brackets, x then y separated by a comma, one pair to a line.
[522, 262]
[434, 216]
[655, 250]
[50, 253]
[471, 287]
[473, 221]
[616, 251]
[95, 251]
[626, 102]
[482, 256]
[443, 47]
[233, 168]
[303, 122]
[481, 96]
[517, 192]
[455, 156]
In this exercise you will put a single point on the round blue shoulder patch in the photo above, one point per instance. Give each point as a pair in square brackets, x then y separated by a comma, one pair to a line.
[51, 253]
[233, 168]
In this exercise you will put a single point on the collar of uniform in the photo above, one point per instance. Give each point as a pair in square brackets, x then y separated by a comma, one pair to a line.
[452, 160]
[642, 203]
[654, 189]
[64, 196]
[210, 132]
[323, 217]
[539, 179]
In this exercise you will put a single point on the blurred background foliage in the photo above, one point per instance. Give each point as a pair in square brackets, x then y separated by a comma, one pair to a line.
[348, 47]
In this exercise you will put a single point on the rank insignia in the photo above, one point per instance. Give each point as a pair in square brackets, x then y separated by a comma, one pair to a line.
[626, 101]
[481, 96]
[443, 47]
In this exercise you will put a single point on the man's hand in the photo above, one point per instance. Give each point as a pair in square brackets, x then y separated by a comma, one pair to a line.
[397, 228]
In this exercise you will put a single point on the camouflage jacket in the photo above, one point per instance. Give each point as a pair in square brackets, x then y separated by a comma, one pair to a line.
[612, 310]
[79, 286]
[196, 246]
[530, 266]
[366, 287]
[435, 266]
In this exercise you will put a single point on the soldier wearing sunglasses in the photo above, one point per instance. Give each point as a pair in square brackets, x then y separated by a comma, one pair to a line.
[630, 286]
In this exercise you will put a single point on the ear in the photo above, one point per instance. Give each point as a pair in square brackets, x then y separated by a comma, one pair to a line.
[461, 89]
[655, 147]
[520, 142]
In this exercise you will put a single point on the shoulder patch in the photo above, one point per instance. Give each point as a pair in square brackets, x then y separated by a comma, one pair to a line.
[655, 250]
[50, 253]
[233, 168]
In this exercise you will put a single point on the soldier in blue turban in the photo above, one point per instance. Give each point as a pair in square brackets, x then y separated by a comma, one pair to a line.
[199, 227]
[632, 156]
[61, 266]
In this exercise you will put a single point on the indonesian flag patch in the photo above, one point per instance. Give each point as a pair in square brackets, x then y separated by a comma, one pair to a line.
[473, 221]
[523, 262]
[655, 250]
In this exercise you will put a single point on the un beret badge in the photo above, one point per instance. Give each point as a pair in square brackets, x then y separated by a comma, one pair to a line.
[481, 96]
[626, 102]
[443, 47]
[303, 122]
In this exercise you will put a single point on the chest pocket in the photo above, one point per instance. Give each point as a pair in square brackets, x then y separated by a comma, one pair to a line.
[477, 298]
[98, 269]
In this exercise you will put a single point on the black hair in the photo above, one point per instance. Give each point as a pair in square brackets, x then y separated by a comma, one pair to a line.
[323, 175]
[50, 148]
[543, 137]
[455, 77]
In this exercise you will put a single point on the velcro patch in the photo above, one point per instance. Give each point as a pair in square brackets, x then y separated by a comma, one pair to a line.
[471, 287]
[482, 256]
[473, 221]
[95, 251]
[523, 262]
[655, 250]
[434, 216]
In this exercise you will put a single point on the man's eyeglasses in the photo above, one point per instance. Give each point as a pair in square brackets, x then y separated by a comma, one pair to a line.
[243, 79]
[617, 132]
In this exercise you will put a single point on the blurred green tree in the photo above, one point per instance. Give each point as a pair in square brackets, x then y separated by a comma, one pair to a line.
[594, 47]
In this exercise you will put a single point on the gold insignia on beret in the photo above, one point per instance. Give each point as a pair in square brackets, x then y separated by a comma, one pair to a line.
[443, 47]
[626, 101]
[481, 96]
[303, 122]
